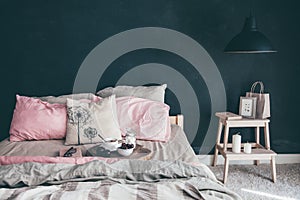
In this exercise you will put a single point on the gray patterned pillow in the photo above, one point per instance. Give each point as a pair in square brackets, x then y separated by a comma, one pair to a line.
[154, 93]
[87, 120]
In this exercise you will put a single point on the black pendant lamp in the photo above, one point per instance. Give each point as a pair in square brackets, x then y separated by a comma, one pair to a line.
[249, 40]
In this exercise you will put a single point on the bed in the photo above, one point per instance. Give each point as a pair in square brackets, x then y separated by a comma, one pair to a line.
[34, 169]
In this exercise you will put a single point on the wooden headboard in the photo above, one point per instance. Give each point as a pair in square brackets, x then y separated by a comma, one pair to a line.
[178, 119]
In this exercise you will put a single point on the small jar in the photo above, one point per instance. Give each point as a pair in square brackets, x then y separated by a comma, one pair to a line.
[130, 137]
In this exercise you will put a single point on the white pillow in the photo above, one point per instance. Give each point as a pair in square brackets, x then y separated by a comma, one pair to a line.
[154, 93]
[87, 120]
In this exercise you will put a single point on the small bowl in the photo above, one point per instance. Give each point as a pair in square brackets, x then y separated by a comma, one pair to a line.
[125, 152]
[111, 144]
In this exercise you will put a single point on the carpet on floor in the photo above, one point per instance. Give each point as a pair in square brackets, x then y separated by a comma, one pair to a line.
[253, 182]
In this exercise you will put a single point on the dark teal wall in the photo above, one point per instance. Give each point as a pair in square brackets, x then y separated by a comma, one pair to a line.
[43, 44]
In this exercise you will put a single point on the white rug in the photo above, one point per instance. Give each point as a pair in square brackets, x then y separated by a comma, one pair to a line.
[255, 182]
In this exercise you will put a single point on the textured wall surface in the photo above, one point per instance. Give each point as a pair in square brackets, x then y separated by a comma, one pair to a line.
[44, 44]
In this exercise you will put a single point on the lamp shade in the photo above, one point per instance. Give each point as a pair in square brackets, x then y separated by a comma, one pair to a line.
[249, 40]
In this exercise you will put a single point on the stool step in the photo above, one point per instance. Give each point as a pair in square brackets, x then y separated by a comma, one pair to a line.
[256, 154]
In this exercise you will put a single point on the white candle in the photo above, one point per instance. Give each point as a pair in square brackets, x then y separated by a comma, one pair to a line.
[247, 147]
[236, 143]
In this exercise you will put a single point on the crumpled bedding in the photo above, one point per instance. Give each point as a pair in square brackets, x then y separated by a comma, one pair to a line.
[34, 170]
[124, 179]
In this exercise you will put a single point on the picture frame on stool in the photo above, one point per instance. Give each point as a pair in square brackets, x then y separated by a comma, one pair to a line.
[248, 107]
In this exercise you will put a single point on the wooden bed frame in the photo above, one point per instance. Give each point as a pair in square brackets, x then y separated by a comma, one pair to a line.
[177, 119]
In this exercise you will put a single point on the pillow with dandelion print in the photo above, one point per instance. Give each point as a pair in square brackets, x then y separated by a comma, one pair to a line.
[89, 121]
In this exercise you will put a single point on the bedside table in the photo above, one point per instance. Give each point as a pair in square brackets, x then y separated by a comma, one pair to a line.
[259, 152]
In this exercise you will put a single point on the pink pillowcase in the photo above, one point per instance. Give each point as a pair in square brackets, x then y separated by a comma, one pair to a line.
[34, 119]
[149, 119]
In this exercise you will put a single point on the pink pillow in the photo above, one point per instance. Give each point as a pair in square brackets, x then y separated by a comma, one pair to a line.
[149, 119]
[34, 119]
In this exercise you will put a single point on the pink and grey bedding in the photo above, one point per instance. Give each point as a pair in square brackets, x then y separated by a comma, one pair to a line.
[172, 172]
[31, 168]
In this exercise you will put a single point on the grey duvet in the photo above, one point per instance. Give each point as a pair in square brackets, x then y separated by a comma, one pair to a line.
[124, 179]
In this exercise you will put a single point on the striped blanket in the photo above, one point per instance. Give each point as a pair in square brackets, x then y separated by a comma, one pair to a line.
[125, 179]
